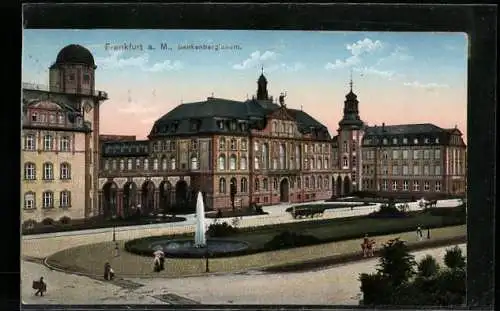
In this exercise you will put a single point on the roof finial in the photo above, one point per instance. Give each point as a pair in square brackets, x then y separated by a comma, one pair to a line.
[350, 83]
[262, 69]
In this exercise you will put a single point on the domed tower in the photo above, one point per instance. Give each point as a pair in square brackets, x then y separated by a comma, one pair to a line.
[350, 134]
[262, 93]
[73, 71]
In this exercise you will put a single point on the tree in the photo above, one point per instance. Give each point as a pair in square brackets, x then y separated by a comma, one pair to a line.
[396, 262]
[454, 259]
[427, 267]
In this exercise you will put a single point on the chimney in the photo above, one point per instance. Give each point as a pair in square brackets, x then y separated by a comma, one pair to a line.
[383, 127]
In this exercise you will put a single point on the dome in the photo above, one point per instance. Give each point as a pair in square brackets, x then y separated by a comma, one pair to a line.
[351, 96]
[75, 53]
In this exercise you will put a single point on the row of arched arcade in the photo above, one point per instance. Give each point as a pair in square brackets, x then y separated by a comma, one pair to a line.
[131, 197]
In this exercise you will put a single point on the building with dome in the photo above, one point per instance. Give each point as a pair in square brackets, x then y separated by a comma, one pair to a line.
[60, 141]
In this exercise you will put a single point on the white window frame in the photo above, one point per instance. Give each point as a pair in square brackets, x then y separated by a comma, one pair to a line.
[48, 199]
[30, 171]
[437, 186]
[405, 185]
[394, 185]
[164, 164]
[243, 163]
[64, 144]
[194, 162]
[48, 171]
[416, 185]
[29, 142]
[48, 142]
[65, 171]
[65, 199]
[30, 200]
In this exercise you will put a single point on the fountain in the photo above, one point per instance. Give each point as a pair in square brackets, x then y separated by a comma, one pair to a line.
[200, 239]
[187, 248]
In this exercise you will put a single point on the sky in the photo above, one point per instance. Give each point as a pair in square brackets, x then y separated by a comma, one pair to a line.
[399, 77]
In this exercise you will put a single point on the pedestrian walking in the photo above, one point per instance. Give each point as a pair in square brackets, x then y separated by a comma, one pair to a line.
[108, 272]
[156, 264]
[428, 233]
[419, 233]
[40, 286]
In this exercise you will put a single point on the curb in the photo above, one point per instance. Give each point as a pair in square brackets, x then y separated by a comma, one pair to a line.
[293, 267]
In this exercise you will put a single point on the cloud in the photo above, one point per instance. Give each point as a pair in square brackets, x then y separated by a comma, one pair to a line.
[357, 49]
[373, 71]
[427, 86]
[255, 59]
[364, 46]
[289, 68]
[136, 108]
[399, 54]
[115, 61]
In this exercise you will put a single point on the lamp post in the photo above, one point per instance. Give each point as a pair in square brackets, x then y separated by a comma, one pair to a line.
[114, 228]
[207, 269]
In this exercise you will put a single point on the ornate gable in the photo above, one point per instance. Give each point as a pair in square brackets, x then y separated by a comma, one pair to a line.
[281, 114]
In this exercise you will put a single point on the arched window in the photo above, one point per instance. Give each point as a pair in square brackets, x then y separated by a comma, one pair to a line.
[65, 199]
[275, 184]
[244, 144]
[320, 182]
[48, 199]
[122, 165]
[30, 171]
[275, 125]
[65, 171]
[307, 182]
[222, 144]
[146, 164]
[137, 163]
[106, 165]
[48, 171]
[194, 162]
[164, 163]
[155, 164]
[257, 185]
[299, 183]
[243, 163]
[306, 163]
[244, 185]
[113, 165]
[326, 164]
[222, 162]
[282, 152]
[173, 163]
[312, 163]
[256, 163]
[129, 164]
[275, 163]
[265, 184]
[319, 164]
[29, 200]
[29, 142]
[313, 182]
[232, 162]
[222, 185]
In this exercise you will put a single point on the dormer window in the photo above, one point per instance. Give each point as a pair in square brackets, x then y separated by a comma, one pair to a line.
[394, 141]
[437, 140]
[220, 124]
[405, 140]
[243, 127]
[34, 117]
[232, 125]
[415, 141]
[426, 140]
[194, 125]
[384, 141]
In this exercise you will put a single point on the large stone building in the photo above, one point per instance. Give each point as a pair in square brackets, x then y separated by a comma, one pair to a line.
[256, 150]
[60, 143]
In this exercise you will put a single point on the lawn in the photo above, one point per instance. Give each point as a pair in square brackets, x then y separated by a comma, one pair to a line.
[326, 230]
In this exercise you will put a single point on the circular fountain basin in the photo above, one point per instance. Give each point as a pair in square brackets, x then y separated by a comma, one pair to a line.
[184, 248]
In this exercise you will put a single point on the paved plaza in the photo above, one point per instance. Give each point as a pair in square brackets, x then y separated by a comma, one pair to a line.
[333, 285]
[257, 288]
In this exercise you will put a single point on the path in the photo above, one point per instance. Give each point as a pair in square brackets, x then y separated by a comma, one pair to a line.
[334, 285]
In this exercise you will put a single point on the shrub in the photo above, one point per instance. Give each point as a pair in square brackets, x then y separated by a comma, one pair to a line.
[48, 221]
[454, 259]
[221, 230]
[396, 262]
[428, 267]
[29, 224]
[288, 239]
[65, 220]
[388, 210]
[376, 289]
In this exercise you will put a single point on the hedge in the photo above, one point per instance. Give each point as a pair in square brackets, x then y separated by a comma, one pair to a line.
[322, 207]
[48, 225]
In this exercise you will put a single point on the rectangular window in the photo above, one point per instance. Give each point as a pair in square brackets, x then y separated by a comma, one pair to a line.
[65, 200]
[405, 170]
[384, 185]
[437, 170]
[426, 154]
[405, 154]
[47, 143]
[64, 144]
[426, 170]
[416, 186]
[29, 142]
[394, 185]
[29, 200]
[48, 200]
[438, 186]
[405, 185]
[416, 170]
[395, 154]
[416, 154]
[426, 186]
[437, 154]
[395, 170]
